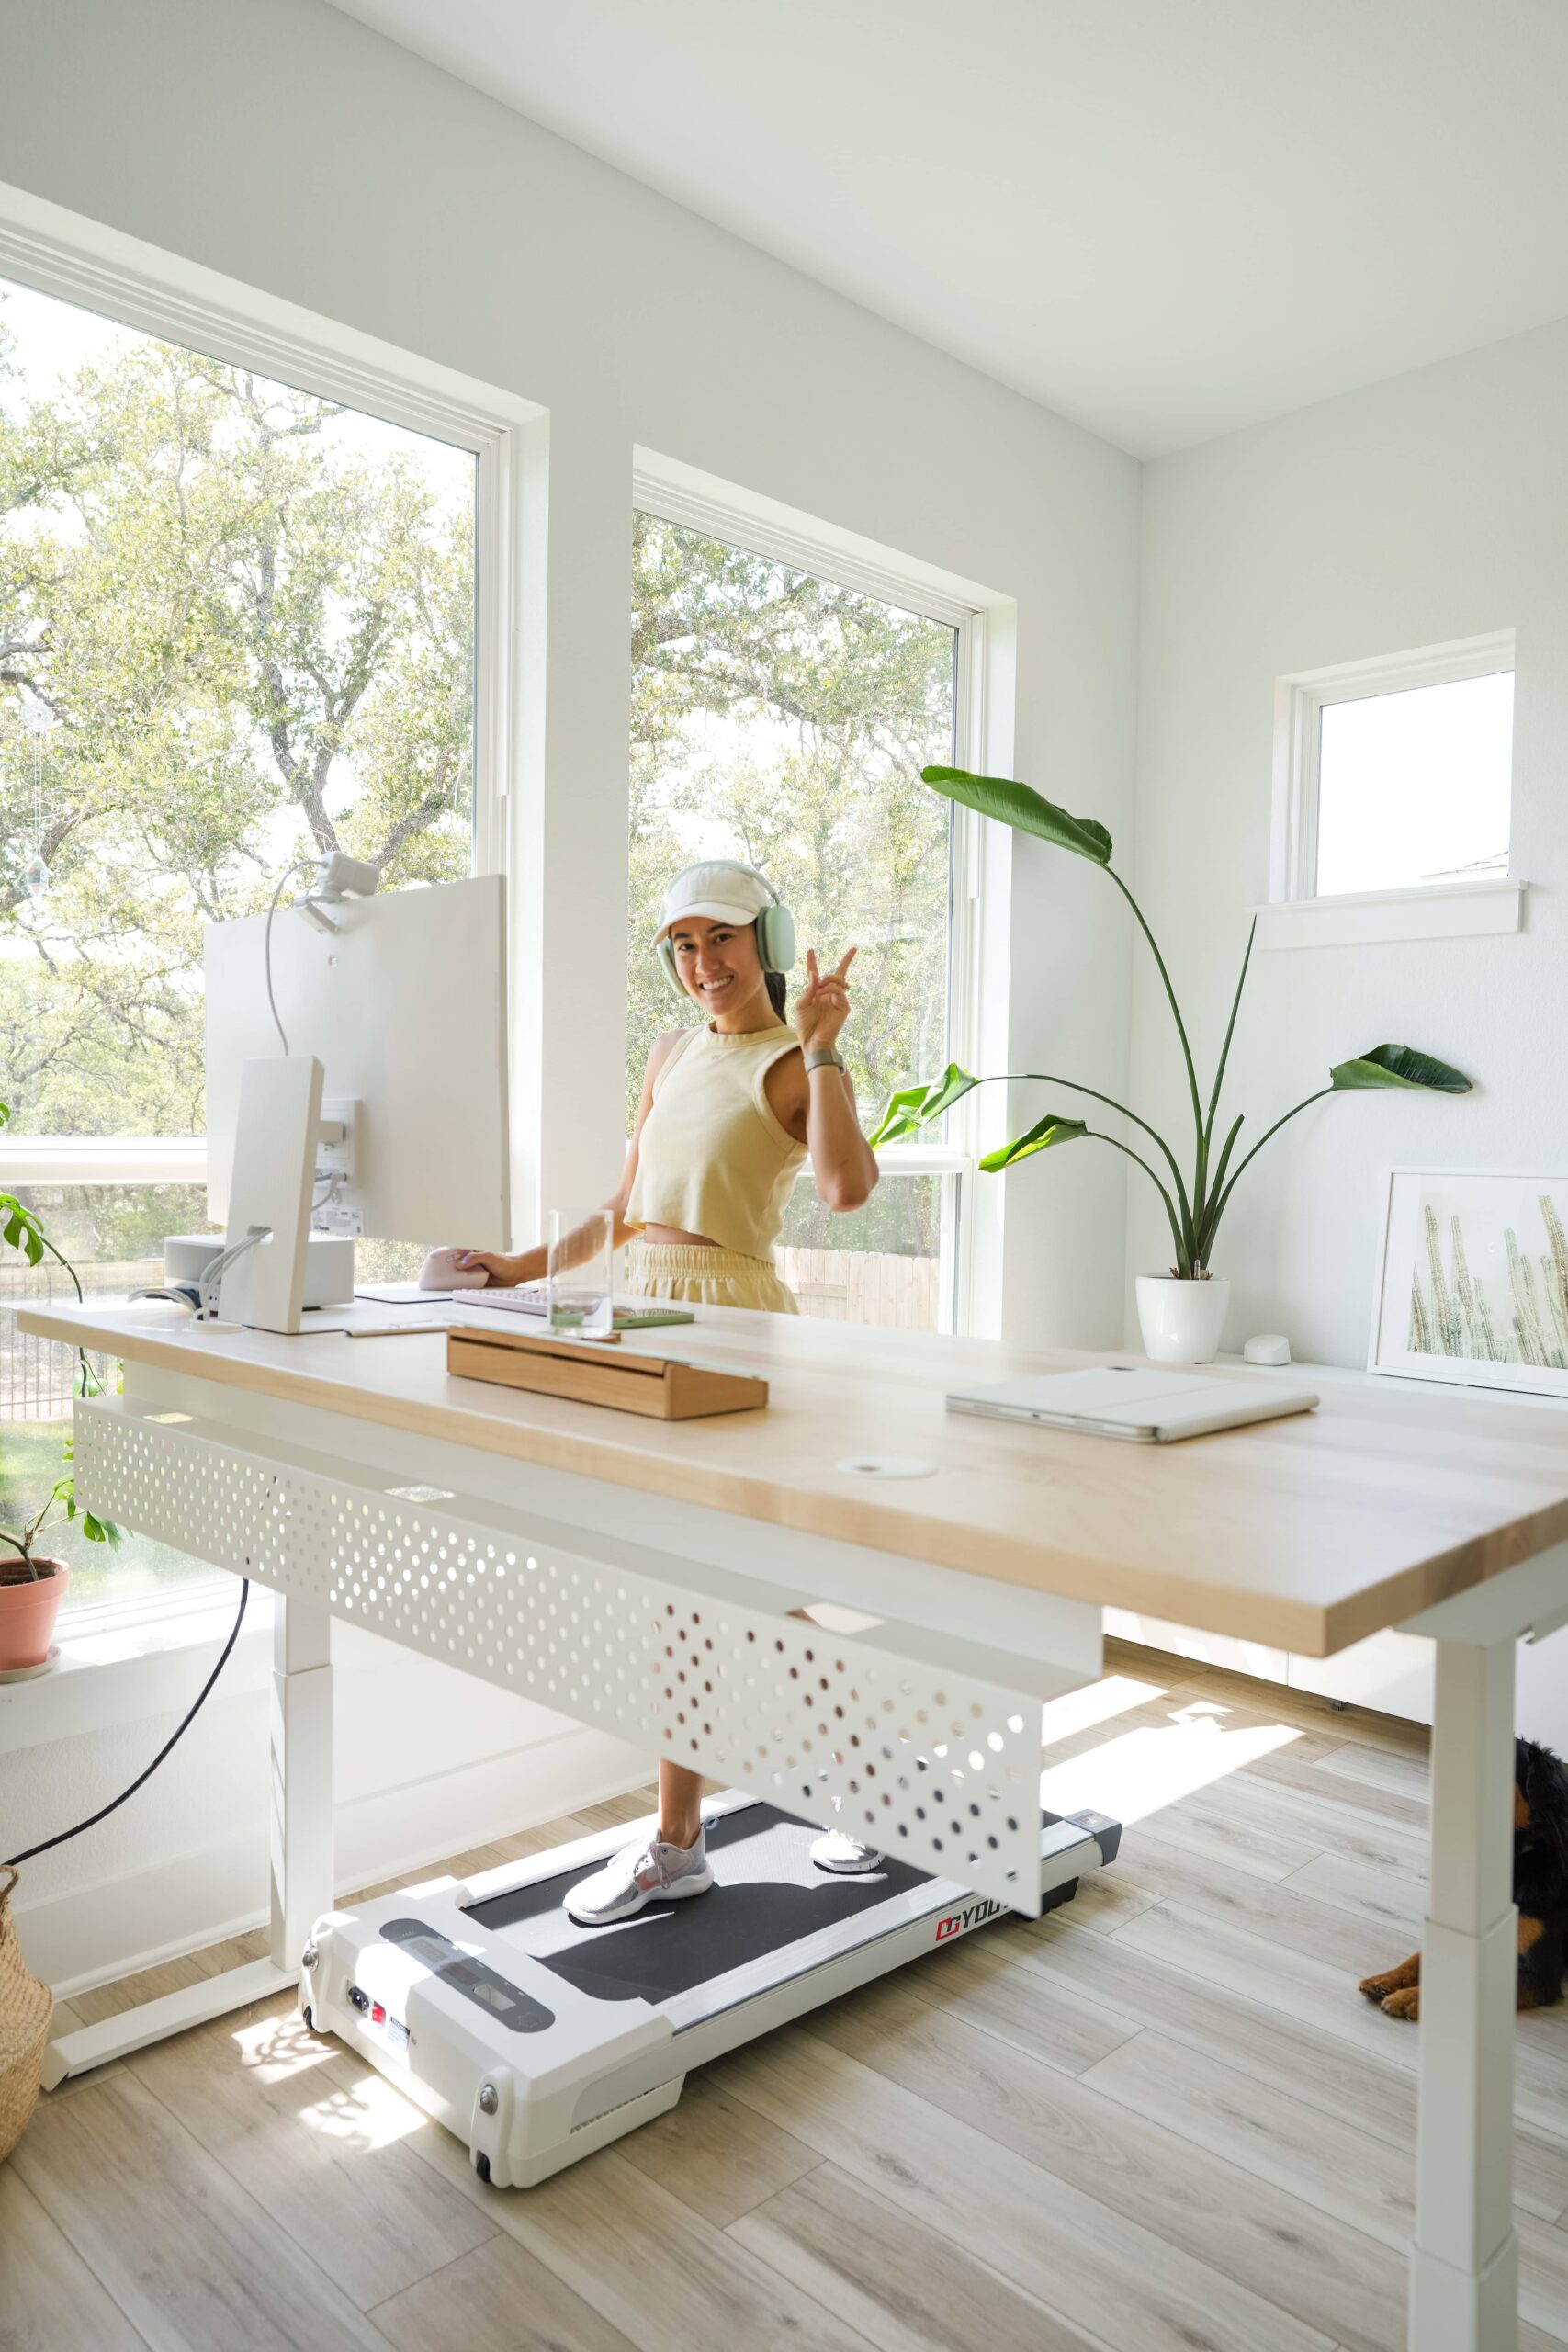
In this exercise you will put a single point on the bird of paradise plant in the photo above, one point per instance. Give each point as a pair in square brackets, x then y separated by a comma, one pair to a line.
[1195, 1203]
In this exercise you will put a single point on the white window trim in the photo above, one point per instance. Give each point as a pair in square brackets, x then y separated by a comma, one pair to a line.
[1295, 915]
[104, 1159]
[60, 252]
[681, 494]
[141, 285]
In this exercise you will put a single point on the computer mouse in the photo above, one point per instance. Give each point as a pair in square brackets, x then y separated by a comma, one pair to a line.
[443, 1270]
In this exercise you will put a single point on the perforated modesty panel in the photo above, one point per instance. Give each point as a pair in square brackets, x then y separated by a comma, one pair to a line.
[942, 1768]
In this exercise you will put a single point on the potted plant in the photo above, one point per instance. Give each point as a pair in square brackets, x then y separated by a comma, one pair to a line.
[1182, 1311]
[32, 1583]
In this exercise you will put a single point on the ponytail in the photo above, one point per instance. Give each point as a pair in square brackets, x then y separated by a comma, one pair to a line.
[775, 981]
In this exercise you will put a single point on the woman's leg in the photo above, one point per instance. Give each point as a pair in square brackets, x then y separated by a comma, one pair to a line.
[679, 1804]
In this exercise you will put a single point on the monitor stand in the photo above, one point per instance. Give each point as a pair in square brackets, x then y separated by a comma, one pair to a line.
[274, 1171]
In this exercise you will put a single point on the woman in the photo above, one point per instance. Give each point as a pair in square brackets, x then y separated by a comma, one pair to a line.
[727, 1116]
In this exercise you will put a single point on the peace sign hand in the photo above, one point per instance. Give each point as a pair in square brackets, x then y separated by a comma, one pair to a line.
[823, 1005]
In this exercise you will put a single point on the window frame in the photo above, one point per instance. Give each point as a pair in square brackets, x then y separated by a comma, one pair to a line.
[152, 292]
[661, 493]
[1419, 910]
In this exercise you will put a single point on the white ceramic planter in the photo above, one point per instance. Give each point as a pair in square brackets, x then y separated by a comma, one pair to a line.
[1183, 1322]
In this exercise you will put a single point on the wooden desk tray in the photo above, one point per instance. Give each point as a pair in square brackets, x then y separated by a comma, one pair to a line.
[663, 1387]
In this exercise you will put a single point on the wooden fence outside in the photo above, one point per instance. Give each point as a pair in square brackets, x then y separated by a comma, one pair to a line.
[865, 1286]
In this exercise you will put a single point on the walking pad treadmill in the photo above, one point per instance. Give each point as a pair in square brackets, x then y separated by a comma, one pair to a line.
[537, 2040]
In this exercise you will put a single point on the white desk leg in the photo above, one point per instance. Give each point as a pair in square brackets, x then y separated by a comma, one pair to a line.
[302, 1884]
[1464, 2262]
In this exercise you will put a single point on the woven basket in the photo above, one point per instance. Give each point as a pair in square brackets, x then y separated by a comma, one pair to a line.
[26, 2007]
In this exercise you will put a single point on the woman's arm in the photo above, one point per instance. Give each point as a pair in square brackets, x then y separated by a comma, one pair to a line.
[531, 1265]
[841, 1160]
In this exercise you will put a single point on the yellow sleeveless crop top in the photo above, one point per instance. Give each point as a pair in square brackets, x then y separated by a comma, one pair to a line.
[713, 1158]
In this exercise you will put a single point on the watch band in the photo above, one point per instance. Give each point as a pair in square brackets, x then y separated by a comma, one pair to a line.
[823, 1058]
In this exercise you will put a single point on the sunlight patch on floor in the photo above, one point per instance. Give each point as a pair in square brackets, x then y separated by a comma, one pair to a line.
[276, 2047]
[1131, 1774]
[1097, 1702]
[370, 2114]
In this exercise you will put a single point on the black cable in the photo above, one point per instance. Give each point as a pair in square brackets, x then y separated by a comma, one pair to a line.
[113, 1806]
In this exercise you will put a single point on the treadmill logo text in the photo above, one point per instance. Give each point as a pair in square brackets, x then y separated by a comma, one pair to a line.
[974, 1914]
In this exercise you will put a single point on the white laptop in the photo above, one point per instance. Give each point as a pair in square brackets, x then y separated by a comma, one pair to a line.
[1150, 1405]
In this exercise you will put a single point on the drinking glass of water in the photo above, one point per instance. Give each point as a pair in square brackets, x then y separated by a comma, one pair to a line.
[580, 1289]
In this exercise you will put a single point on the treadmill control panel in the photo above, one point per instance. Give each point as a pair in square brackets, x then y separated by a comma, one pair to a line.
[506, 2003]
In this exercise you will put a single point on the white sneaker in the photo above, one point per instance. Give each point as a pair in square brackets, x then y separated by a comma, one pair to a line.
[649, 1873]
[836, 1851]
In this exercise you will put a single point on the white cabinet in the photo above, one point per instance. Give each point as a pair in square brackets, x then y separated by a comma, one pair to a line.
[1390, 1671]
[1203, 1649]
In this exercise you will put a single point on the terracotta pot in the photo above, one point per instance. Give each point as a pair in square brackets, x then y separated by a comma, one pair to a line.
[28, 1607]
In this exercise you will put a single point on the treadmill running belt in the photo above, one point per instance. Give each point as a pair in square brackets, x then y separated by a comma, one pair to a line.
[769, 1894]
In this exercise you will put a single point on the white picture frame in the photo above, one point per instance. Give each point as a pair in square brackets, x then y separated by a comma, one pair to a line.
[1476, 1289]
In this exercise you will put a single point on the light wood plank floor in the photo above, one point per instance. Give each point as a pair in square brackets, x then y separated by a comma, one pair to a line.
[1158, 2121]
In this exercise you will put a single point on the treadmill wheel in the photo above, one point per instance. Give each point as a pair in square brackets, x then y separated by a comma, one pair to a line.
[482, 2164]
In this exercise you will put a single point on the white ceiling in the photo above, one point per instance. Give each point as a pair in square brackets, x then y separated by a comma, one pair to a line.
[1163, 218]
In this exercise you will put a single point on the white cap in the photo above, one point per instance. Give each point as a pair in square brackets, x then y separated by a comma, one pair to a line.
[722, 892]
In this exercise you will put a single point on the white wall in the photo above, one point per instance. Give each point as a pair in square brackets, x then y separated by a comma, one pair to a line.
[282, 143]
[426, 1763]
[1429, 508]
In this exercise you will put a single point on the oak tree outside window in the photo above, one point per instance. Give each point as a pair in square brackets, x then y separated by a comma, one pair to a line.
[784, 719]
[236, 625]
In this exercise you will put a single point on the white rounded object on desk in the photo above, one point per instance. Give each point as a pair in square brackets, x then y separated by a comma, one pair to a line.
[1181, 1320]
[441, 1270]
[887, 1465]
[1267, 1347]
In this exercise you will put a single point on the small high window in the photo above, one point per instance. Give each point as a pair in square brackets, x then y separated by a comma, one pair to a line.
[1402, 773]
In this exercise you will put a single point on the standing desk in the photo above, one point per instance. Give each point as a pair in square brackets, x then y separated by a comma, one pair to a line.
[736, 1593]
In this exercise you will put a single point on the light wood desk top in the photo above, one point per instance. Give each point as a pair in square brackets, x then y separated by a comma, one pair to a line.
[1304, 1533]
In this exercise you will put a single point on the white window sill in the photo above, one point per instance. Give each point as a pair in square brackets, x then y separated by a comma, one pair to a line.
[106, 1160]
[1433, 910]
[109, 1673]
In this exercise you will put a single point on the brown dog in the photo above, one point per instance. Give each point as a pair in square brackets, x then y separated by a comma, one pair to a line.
[1541, 1891]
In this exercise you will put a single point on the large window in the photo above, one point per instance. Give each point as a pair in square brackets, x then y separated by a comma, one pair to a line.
[237, 626]
[784, 719]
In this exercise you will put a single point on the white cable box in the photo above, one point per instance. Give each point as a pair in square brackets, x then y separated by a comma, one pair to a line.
[329, 1263]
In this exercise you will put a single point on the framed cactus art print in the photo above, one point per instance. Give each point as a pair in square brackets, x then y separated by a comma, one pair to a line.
[1473, 1279]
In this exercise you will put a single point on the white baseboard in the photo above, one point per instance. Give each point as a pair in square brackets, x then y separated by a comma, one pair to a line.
[95, 1935]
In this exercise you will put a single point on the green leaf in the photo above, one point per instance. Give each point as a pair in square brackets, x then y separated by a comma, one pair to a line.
[1397, 1065]
[21, 1228]
[1020, 805]
[1052, 1129]
[100, 1531]
[914, 1107]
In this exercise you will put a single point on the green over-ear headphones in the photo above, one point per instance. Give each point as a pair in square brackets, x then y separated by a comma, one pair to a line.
[774, 926]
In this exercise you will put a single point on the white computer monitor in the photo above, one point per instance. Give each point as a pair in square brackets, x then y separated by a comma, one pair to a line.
[403, 1000]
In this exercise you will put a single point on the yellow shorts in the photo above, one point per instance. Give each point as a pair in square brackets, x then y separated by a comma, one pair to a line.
[688, 1276]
